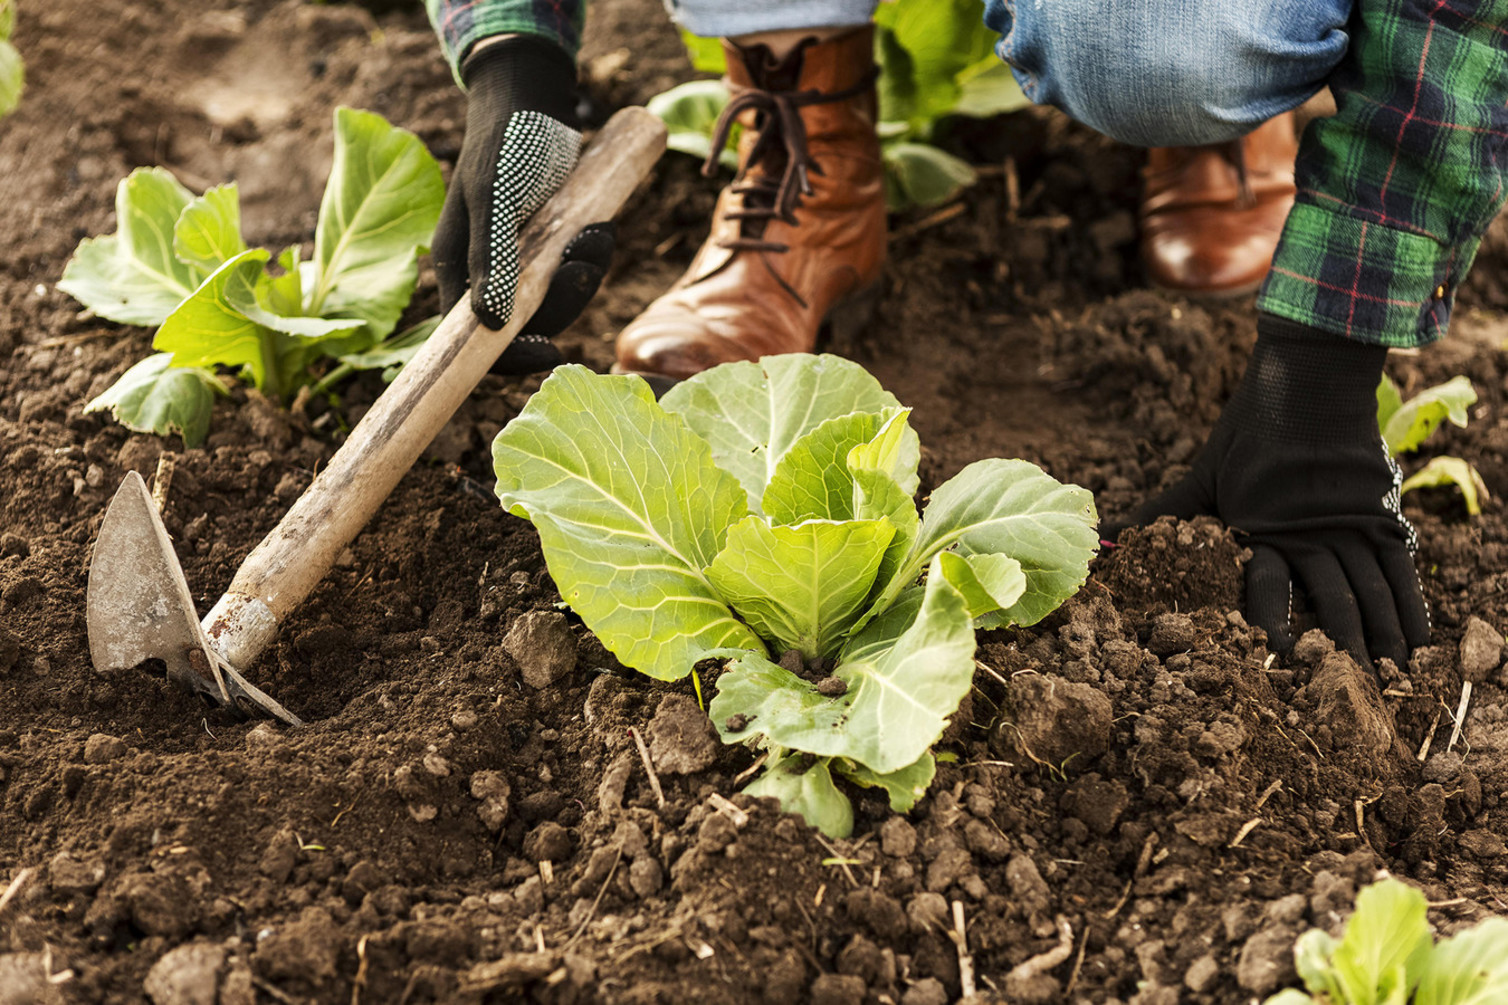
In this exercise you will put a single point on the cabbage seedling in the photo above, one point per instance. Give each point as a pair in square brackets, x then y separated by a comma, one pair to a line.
[1387, 955]
[12, 68]
[762, 514]
[179, 262]
[1406, 425]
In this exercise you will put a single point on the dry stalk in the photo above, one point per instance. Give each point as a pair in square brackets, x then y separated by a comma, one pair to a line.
[15, 886]
[360, 980]
[595, 903]
[1043, 962]
[1268, 793]
[1430, 737]
[163, 479]
[649, 766]
[839, 859]
[274, 991]
[1078, 964]
[748, 772]
[725, 806]
[1246, 829]
[1455, 733]
[960, 937]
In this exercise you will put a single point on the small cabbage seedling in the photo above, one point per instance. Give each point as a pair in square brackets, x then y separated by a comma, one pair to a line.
[12, 69]
[936, 58]
[762, 514]
[1387, 956]
[179, 262]
[1406, 425]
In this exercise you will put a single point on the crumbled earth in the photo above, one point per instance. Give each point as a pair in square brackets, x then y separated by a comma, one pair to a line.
[1141, 803]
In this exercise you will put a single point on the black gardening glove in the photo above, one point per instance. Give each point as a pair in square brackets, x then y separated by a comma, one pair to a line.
[521, 142]
[1297, 467]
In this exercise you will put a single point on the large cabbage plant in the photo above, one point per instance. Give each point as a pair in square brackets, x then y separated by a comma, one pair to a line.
[763, 514]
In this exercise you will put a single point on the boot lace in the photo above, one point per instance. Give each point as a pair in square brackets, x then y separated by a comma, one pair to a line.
[768, 195]
[1234, 154]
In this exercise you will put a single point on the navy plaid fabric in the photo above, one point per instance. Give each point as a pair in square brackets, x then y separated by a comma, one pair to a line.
[1396, 190]
[462, 23]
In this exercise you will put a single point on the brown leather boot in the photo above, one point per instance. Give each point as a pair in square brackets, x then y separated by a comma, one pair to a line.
[799, 237]
[1211, 216]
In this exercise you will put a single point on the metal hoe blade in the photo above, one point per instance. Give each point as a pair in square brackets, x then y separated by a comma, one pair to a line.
[139, 608]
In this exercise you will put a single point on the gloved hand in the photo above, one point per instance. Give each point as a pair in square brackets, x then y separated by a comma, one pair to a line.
[1297, 467]
[521, 142]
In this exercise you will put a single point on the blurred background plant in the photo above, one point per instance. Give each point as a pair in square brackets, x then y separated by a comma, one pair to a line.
[12, 70]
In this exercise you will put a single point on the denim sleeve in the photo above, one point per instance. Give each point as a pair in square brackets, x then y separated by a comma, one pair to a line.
[1396, 190]
[462, 23]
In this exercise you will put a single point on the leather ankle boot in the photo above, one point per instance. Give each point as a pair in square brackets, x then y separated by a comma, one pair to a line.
[798, 239]
[1211, 216]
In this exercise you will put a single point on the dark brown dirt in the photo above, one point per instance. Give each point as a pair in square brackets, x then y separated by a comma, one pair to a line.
[1134, 777]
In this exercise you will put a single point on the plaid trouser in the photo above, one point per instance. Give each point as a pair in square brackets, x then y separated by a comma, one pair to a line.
[1395, 190]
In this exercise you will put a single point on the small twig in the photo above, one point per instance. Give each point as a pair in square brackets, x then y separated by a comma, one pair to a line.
[748, 772]
[55, 976]
[1144, 859]
[1043, 962]
[592, 913]
[360, 979]
[276, 992]
[1078, 964]
[1433, 904]
[931, 220]
[649, 766]
[1429, 737]
[1125, 896]
[725, 806]
[345, 811]
[838, 859]
[69, 340]
[547, 872]
[163, 479]
[1268, 793]
[1246, 829]
[1455, 733]
[15, 887]
[960, 937]
[1012, 189]
[1317, 751]
[991, 671]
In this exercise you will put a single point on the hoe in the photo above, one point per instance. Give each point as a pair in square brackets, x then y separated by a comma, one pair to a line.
[139, 603]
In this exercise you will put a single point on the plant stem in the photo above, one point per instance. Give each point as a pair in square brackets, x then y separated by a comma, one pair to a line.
[332, 378]
[271, 384]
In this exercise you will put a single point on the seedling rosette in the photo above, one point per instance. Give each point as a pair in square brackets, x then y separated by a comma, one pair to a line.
[1386, 956]
[764, 512]
[178, 261]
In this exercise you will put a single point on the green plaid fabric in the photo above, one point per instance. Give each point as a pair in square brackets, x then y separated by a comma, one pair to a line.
[462, 23]
[1395, 191]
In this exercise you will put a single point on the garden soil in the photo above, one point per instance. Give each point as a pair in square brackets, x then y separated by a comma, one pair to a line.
[1140, 804]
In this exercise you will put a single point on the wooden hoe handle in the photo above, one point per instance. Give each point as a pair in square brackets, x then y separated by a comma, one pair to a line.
[286, 566]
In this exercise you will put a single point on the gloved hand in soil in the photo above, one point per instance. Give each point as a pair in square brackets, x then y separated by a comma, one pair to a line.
[1297, 467]
[521, 142]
